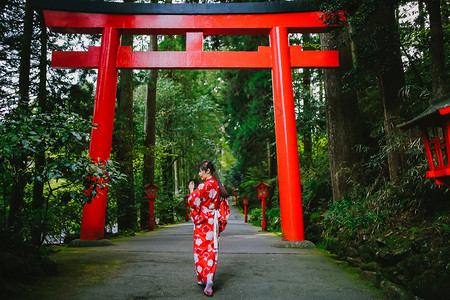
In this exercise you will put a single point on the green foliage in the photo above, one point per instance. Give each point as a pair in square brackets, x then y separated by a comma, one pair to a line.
[64, 138]
[98, 176]
[352, 217]
[373, 208]
[255, 216]
[246, 100]
[273, 220]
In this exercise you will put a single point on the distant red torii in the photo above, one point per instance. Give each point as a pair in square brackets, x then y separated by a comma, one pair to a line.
[112, 20]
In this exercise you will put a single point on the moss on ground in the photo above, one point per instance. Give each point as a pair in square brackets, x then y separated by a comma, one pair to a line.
[75, 268]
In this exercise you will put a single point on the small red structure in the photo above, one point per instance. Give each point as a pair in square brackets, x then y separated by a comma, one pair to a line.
[245, 202]
[150, 189]
[434, 123]
[236, 193]
[186, 215]
[262, 194]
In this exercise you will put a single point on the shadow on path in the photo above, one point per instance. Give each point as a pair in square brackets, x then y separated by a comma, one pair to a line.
[160, 265]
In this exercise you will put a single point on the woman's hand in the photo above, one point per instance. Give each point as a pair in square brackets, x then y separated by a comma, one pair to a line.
[191, 186]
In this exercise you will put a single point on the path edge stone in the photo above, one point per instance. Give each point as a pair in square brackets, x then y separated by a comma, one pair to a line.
[90, 243]
[295, 244]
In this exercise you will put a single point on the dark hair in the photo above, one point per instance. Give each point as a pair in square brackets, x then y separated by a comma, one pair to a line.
[207, 165]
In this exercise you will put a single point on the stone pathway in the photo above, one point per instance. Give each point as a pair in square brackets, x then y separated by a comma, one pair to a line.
[159, 265]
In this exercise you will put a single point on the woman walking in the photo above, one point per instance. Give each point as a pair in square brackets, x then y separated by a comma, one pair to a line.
[209, 211]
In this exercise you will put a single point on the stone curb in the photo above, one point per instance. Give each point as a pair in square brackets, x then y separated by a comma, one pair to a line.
[90, 243]
[295, 244]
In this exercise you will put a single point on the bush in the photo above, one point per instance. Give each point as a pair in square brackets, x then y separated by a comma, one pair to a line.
[273, 219]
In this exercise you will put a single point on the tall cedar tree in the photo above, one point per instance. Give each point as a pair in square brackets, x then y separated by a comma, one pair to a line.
[168, 180]
[344, 121]
[124, 141]
[439, 76]
[37, 230]
[306, 84]
[391, 79]
[150, 135]
[20, 161]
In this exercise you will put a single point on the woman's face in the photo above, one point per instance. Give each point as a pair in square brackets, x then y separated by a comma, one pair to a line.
[204, 174]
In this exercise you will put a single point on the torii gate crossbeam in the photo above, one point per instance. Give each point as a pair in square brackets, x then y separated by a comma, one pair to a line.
[278, 57]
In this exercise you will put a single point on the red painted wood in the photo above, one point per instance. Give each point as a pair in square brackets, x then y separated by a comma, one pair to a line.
[93, 219]
[70, 22]
[77, 59]
[445, 111]
[194, 41]
[263, 212]
[286, 138]
[438, 173]
[438, 154]
[151, 222]
[194, 59]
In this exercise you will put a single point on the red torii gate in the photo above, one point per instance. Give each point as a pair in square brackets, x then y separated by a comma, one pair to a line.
[194, 21]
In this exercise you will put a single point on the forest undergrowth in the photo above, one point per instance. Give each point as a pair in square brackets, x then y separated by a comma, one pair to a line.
[395, 235]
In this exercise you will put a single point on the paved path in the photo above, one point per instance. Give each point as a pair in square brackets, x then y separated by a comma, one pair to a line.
[159, 265]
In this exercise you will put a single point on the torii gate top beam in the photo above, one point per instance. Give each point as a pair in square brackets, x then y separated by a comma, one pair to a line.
[211, 19]
[247, 8]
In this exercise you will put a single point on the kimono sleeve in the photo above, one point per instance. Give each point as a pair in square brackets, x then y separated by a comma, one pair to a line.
[224, 213]
[195, 200]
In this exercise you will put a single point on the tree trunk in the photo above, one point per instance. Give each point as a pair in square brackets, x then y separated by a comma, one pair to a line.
[344, 123]
[307, 109]
[270, 162]
[175, 178]
[40, 160]
[124, 138]
[150, 135]
[392, 79]
[20, 161]
[439, 80]
[167, 208]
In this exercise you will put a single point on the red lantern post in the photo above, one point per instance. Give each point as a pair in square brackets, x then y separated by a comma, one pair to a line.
[151, 196]
[245, 202]
[186, 216]
[262, 194]
[236, 193]
[434, 124]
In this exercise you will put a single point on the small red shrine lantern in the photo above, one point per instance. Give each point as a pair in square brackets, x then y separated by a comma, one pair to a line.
[236, 193]
[245, 202]
[262, 194]
[262, 189]
[150, 189]
[186, 216]
[434, 124]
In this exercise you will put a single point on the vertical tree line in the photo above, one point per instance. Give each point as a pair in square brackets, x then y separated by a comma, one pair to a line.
[42, 138]
[123, 146]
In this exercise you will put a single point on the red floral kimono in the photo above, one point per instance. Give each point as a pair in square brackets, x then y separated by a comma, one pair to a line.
[210, 213]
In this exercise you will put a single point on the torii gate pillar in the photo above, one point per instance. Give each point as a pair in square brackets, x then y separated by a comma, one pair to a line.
[286, 137]
[93, 220]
